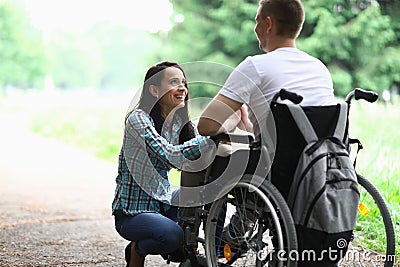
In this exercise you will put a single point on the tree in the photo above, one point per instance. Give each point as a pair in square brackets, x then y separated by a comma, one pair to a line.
[216, 29]
[355, 40]
[22, 61]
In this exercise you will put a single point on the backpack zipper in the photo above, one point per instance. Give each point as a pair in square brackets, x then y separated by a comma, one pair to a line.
[306, 170]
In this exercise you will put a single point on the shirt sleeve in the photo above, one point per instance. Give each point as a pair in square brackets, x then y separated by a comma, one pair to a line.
[159, 147]
[242, 82]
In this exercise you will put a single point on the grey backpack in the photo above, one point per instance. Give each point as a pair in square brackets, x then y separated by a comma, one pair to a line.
[324, 194]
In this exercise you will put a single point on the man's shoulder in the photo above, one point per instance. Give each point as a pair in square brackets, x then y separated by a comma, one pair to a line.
[257, 57]
[279, 54]
[288, 54]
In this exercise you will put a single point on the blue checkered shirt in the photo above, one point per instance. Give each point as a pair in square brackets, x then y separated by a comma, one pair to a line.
[145, 159]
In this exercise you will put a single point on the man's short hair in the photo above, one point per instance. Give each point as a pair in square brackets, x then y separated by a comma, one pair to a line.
[288, 15]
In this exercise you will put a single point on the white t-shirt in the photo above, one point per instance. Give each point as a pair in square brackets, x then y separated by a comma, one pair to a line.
[258, 78]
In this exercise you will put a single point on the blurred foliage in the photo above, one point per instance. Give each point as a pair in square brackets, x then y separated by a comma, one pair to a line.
[74, 62]
[215, 30]
[357, 39]
[22, 62]
[125, 53]
[107, 56]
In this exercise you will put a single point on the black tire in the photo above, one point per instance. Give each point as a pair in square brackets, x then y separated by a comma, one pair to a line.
[374, 238]
[261, 226]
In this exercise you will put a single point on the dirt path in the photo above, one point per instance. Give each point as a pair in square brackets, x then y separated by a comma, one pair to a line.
[55, 204]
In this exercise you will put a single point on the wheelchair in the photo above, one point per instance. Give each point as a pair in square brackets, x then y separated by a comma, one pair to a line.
[249, 223]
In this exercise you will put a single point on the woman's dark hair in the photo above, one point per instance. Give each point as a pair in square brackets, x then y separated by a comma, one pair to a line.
[151, 105]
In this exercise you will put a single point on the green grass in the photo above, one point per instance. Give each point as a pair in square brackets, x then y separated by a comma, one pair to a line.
[95, 124]
[377, 127]
[86, 120]
[92, 128]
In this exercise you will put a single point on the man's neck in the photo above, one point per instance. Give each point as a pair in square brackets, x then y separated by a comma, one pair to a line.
[282, 42]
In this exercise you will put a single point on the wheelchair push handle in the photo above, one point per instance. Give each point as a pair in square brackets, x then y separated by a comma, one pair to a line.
[284, 94]
[359, 93]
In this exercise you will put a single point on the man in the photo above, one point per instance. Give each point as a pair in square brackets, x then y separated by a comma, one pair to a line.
[258, 78]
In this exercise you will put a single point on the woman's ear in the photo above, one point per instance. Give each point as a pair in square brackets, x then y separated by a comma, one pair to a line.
[153, 90]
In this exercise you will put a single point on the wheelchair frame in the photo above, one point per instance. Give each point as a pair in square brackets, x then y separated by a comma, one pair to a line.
[268, 212]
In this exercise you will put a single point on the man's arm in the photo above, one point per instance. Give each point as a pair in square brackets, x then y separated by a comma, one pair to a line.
[219, 116]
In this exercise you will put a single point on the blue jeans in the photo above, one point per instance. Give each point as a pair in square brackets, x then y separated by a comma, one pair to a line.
[152, 232]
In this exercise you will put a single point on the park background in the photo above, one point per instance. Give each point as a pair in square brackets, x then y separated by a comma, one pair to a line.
[71, 68]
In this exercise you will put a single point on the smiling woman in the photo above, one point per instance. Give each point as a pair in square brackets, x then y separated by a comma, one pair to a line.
[77, 15]
[158, 136]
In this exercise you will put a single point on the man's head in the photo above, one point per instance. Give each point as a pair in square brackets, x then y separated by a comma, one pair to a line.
[281, 18]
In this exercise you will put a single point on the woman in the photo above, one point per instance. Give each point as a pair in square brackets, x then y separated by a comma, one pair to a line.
[158, 136]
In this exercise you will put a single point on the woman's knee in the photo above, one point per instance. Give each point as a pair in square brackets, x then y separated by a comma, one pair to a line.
[173, 236]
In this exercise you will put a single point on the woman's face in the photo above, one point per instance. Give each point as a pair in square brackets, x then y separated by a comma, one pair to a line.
[172, 91]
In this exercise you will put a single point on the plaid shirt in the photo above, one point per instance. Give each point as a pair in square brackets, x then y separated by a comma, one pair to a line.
[145, 159]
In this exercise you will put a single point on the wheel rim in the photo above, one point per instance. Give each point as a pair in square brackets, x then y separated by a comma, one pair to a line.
[252, 248]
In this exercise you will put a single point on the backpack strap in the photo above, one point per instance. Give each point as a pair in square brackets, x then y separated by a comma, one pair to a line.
[341, 123]
[303, 123]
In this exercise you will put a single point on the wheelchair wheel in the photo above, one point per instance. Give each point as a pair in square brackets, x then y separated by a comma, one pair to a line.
[374, 238]
[250, 226]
